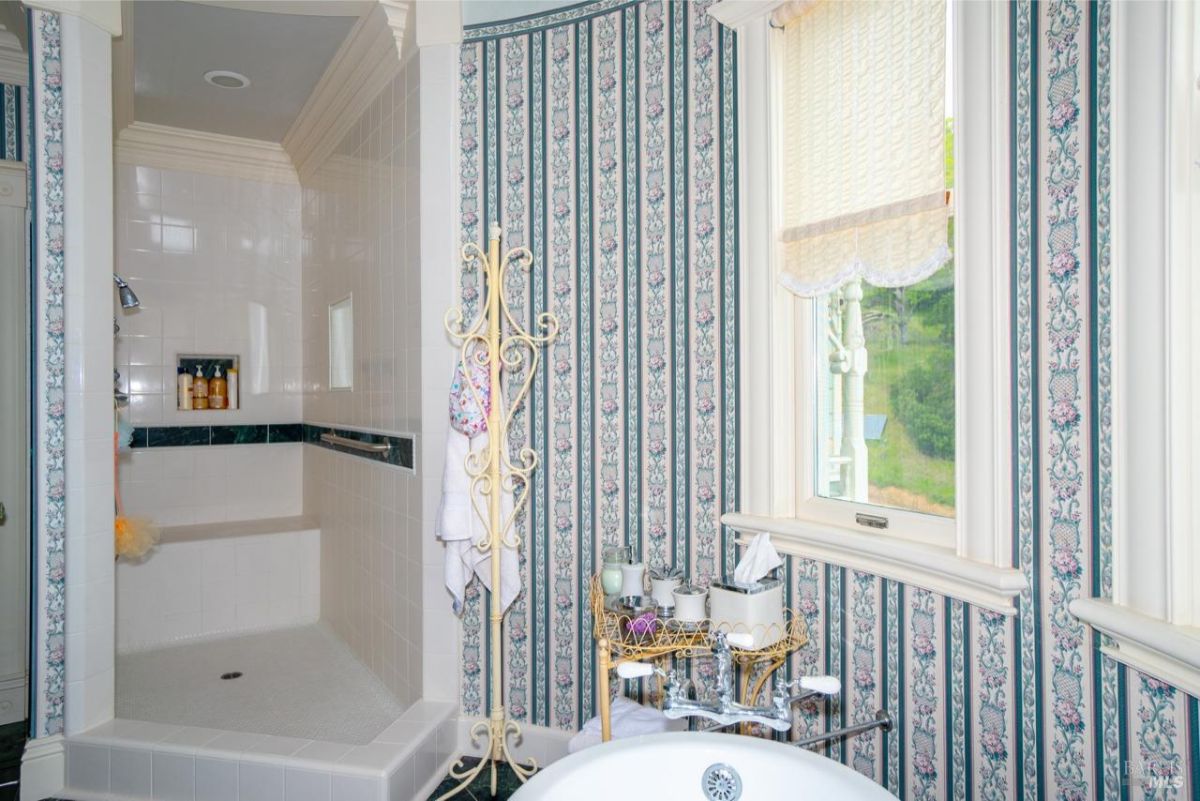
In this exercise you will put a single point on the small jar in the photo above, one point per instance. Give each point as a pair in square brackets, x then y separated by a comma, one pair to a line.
[610, 575]
[689, 603]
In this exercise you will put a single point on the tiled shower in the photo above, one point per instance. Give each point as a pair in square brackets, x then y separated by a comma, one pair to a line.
[281, 555]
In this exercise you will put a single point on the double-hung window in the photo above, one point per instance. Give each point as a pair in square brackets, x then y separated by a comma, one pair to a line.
[875, 353]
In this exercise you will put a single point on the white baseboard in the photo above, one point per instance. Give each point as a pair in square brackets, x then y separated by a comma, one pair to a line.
[43, 768]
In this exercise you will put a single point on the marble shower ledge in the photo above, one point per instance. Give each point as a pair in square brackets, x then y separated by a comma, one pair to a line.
[937, 569]
[188, 436]
[1167, 651]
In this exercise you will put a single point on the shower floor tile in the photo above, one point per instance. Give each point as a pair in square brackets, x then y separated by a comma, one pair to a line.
[301, 682]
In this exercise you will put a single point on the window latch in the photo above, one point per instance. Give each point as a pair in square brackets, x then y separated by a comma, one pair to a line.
[871, 521]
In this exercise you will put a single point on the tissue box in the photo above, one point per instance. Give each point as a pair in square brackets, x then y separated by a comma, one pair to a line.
[756, 608]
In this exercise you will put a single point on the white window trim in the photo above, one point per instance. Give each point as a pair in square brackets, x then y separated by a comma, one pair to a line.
[1153, 618]
[977, 567]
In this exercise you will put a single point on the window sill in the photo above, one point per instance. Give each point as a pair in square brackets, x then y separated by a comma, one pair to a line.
[937, 569]
[1155, 647]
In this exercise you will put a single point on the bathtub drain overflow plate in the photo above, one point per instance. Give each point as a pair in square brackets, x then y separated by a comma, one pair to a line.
[233, 674]
[721, 783]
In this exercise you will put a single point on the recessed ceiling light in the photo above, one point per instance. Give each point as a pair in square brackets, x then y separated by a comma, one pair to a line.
[226, 79]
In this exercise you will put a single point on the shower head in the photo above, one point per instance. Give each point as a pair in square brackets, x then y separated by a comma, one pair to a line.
[128, 299]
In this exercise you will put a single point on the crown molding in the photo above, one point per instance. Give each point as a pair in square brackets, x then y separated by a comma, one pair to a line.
[318, 8]
[104, 14]
[14, 64]
[367, 61]
[735, 13]
[171, 148]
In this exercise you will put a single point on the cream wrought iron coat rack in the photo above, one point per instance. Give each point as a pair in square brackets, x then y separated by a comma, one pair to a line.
[495, 339]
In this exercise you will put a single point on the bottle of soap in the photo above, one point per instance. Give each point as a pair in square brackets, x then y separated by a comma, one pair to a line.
[199, 389]
[231, 398]
[185, 390]
[217, 390]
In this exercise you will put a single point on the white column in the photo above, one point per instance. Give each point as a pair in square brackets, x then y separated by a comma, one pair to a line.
[439, 32]
[89, 300]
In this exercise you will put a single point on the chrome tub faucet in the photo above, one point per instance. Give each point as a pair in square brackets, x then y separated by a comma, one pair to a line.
[678, 702]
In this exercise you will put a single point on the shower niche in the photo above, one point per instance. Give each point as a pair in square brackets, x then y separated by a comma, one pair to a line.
[218, 391]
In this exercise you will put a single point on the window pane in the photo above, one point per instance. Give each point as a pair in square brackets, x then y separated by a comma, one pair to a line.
[885, 380]
[905, 424]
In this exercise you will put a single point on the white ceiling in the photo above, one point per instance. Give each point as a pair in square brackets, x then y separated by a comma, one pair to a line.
[283, 55]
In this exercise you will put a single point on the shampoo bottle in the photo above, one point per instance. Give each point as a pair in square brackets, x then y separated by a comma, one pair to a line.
[185, 390]
[231, 385]
[199, 390]
[217, 390]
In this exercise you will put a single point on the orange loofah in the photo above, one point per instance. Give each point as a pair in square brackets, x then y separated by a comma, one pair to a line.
[134, 536]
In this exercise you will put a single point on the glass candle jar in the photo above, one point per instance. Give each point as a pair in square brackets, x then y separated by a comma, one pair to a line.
[610, 575]
[633, 579]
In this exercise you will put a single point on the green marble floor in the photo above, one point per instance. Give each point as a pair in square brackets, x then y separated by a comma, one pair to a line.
[479, 790]
[12, 745]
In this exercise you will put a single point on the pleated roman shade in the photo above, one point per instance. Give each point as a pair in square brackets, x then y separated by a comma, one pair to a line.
[863, 131]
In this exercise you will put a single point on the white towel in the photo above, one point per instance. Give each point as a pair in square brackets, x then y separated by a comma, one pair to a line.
[629, 719]
[460, 526]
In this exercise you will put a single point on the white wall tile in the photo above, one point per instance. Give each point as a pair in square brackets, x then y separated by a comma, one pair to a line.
[178, 246]
[258, 782]
[211, 484]
[201, 588]
[216, 779]
[357, 243]
[174, 777]
[87, 767]
[306, 785]
[131, 773]
[356, 788]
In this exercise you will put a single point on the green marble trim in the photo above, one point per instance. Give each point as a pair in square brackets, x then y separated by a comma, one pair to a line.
[190, 436]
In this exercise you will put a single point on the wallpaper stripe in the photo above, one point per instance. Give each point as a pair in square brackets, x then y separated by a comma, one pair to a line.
[1194, 746]
[539, 712]
[627, 126]
[630, 137]
[48, 663]
[1026, 398]
[891, 677]
[12, 122]
[1066, 662]
[679, 274]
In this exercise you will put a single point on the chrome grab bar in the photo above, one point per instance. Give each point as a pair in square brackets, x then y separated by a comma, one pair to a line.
[369, 447]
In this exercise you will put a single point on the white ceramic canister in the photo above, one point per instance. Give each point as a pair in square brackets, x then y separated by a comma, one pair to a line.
[633, 579]
[689, 603]
[663, 582]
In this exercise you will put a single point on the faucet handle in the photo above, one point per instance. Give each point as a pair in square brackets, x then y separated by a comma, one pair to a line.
[638, 670]
[825, 685]
[812, 685]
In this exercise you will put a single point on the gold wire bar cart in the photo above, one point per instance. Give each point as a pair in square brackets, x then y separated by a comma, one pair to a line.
[497, 340]
[617, 644]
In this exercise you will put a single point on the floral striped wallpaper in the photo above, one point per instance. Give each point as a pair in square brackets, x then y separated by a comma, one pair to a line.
[12, 122]
[602, 136]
